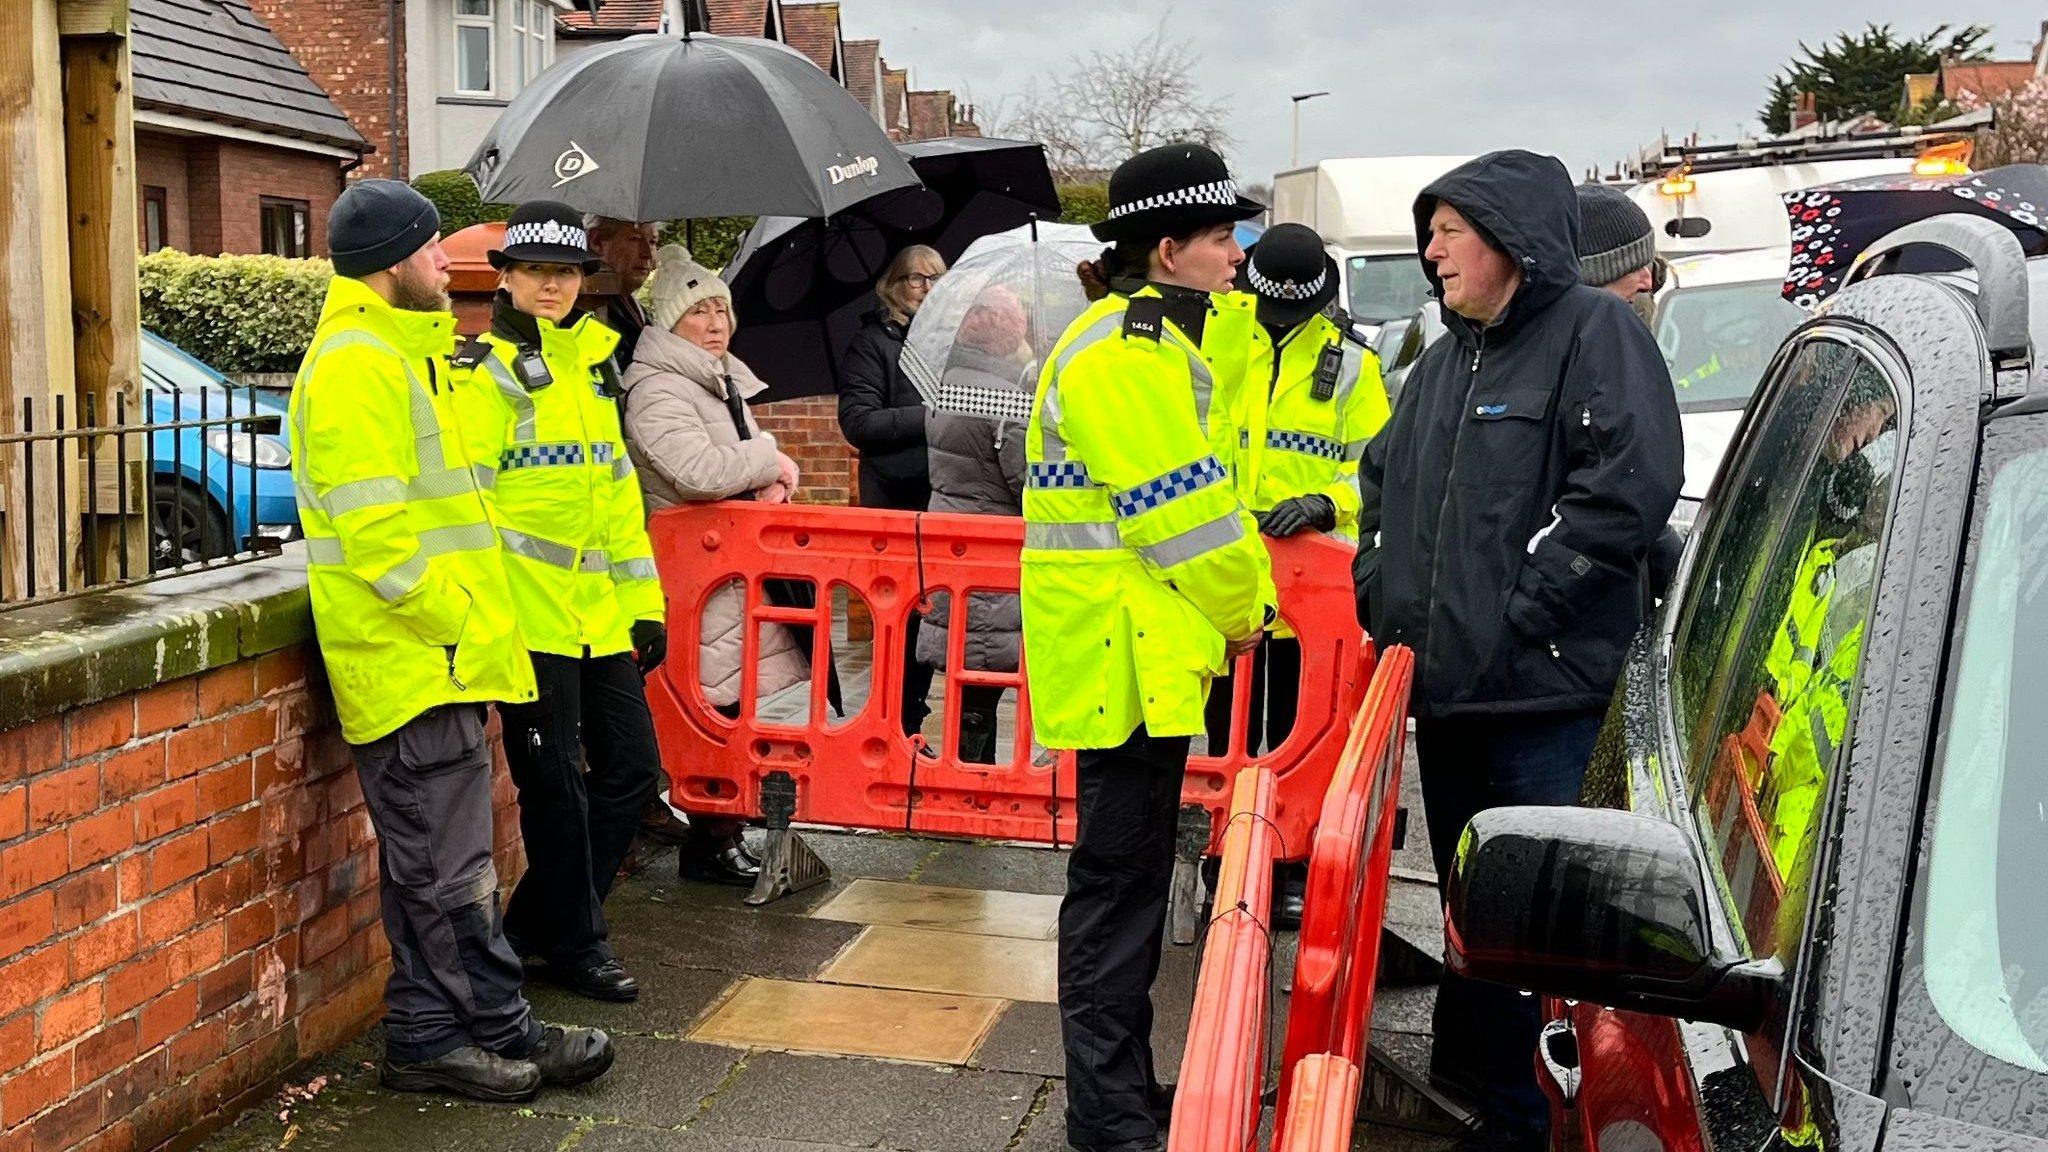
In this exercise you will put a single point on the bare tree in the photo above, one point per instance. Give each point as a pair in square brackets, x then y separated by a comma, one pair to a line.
[1110, 105]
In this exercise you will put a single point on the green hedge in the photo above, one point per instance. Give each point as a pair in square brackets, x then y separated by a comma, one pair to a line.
[455, 195]
[717, 237]
[237, 313]
[1083, 203]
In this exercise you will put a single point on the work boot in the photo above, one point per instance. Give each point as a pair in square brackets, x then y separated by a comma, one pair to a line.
[607, 980]
[468, 1071]
[567, 1057]
[1159, 1101]
[663, 824]
[712, 862]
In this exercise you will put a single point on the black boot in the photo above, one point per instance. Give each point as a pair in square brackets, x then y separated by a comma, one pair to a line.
[604, 981]
[571, 1056]
[720, 861]
[468, 1071]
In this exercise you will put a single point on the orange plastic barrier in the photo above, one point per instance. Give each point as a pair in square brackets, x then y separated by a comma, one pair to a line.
[1323, 1108]
[1216, 1107]
[861, 771]
[1337, 964]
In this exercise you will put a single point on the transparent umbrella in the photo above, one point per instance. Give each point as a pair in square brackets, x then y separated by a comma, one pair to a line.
[977, 343]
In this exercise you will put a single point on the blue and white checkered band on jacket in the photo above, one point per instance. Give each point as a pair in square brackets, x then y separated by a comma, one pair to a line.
[1175, 484]
[1308, 444]
[544, 456]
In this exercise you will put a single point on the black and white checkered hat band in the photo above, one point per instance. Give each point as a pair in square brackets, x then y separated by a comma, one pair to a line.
[547, 232]
[1287, 289]
[1220, 192]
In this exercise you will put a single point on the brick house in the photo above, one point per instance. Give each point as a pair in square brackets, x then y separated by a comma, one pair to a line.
[422, 80]
[936, 114]
[236, 148]
[813, 29]
[864, 75]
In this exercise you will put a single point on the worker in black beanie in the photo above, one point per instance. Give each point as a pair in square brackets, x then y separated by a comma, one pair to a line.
[1617, 248]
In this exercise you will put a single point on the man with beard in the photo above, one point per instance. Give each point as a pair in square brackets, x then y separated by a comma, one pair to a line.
[415, 622]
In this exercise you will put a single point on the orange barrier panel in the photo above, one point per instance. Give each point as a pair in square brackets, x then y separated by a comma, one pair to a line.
[1323, 1108]
[1216, 1106]
[1338, 960]
[861, 771]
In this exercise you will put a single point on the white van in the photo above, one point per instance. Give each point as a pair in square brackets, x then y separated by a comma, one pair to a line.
[1364, 209]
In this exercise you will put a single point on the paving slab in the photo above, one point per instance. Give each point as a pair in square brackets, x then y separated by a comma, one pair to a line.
[359, 1119]
[945, 909]
[912, 1107]
[1403, 1010]
[794, 1016]
[952, 962]
[672, 999]
[692, 934]
[623, 1138]
[660, 1083]
[1000, 867]
[1025, 1039]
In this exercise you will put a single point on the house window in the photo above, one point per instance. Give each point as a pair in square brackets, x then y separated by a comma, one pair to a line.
[532, 21]
[286, 228]
[476, 35]
[156, 215]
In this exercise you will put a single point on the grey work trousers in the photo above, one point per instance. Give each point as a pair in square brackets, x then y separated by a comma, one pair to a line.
[454, 981]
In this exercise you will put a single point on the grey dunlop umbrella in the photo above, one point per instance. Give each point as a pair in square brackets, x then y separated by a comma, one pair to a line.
[679, 127]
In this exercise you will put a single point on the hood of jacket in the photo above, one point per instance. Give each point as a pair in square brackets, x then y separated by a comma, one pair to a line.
[662, 351]
[1527, 203]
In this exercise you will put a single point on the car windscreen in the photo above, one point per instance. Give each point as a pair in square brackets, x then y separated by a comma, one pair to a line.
[1719, 338]
[1383, 288]
[1984, 924]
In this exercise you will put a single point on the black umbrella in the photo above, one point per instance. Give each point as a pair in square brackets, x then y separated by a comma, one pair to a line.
[800, 286]
[677, 127]
[1833, 223]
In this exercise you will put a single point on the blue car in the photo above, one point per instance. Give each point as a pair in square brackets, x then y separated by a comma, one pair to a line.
[202, 479]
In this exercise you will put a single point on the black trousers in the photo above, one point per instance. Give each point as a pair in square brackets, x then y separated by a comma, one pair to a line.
[917, 680]
[1112, 929]
[1276, 697]
[1486, 1033]
[978, 723]
[577, 825]
[454, 981]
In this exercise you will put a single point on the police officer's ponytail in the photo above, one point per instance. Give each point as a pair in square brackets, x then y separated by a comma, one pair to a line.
[1124, 260]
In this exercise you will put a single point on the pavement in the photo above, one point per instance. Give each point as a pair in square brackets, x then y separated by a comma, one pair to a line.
[688, 1078]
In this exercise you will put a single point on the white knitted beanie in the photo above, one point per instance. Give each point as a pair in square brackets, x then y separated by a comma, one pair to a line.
[679, 283]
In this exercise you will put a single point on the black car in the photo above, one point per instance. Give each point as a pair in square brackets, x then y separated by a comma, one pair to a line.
[1804, 914]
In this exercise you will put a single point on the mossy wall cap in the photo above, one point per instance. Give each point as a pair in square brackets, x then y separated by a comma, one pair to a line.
[376, 224]
[1291, 273]
[1172, 189]
[545, 232]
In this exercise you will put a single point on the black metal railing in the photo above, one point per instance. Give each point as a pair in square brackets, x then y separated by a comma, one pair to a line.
[104, 495]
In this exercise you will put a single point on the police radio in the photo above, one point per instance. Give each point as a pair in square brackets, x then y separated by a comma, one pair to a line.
[604, 377]
[1329, 366]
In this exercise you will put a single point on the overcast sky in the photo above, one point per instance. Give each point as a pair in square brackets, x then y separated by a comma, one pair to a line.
[1590, 82]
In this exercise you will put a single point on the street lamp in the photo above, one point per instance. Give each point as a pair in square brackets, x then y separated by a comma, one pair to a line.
[1299, 98]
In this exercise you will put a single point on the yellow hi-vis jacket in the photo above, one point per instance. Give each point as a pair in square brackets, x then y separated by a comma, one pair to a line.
[410, 599]
[1303, 427]
[1813, 663]
[566, 501]
[1138, 560]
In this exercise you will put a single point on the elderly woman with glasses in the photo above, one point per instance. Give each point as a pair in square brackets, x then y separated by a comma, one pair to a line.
[884, 419]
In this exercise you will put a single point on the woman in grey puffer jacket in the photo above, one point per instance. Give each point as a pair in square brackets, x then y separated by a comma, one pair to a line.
[977, 466]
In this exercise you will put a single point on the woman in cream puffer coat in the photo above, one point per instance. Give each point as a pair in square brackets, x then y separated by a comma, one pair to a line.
[685, 402]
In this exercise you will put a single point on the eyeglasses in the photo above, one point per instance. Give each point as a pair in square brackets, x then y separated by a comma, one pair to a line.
[922, 279]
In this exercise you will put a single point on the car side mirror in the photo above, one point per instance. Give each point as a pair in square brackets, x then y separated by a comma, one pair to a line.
[1599, 905]
[1688, 227]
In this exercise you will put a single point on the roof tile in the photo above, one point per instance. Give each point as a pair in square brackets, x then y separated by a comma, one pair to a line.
[614, 18]
[813, 29]
[214, 59]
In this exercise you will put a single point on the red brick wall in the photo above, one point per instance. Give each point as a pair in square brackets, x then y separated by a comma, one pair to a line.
[188, 904]
[160, 161]
[345, 46]
[808, 431]
[216, 202]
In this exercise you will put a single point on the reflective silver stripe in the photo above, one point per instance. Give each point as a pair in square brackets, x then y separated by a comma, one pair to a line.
[624, 570]
[622, 468]
[595, 560]
[1051, 448]
[345, 498]
[426, 427]
[1347, 377]
[1197, 541]
[516, 396]
[449, 482]
[533, 548]
[457, 538]
[485, 475]
[1096, 536]
[403, 578]
[323, 550]
[1355, 451]
[1203, 383]
[1102, 329]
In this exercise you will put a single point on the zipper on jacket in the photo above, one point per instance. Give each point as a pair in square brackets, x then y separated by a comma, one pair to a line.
[456, 680]
[1436, 560]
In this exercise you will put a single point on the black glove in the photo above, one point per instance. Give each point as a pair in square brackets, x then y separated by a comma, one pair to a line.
[650, 644]
[1298, 514]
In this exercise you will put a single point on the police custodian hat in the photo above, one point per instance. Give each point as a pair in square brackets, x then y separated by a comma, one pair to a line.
[545, 232]
[1171, 190]
[1291, 273]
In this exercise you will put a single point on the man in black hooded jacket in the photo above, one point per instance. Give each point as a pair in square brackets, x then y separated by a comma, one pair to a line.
[1530, 463]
